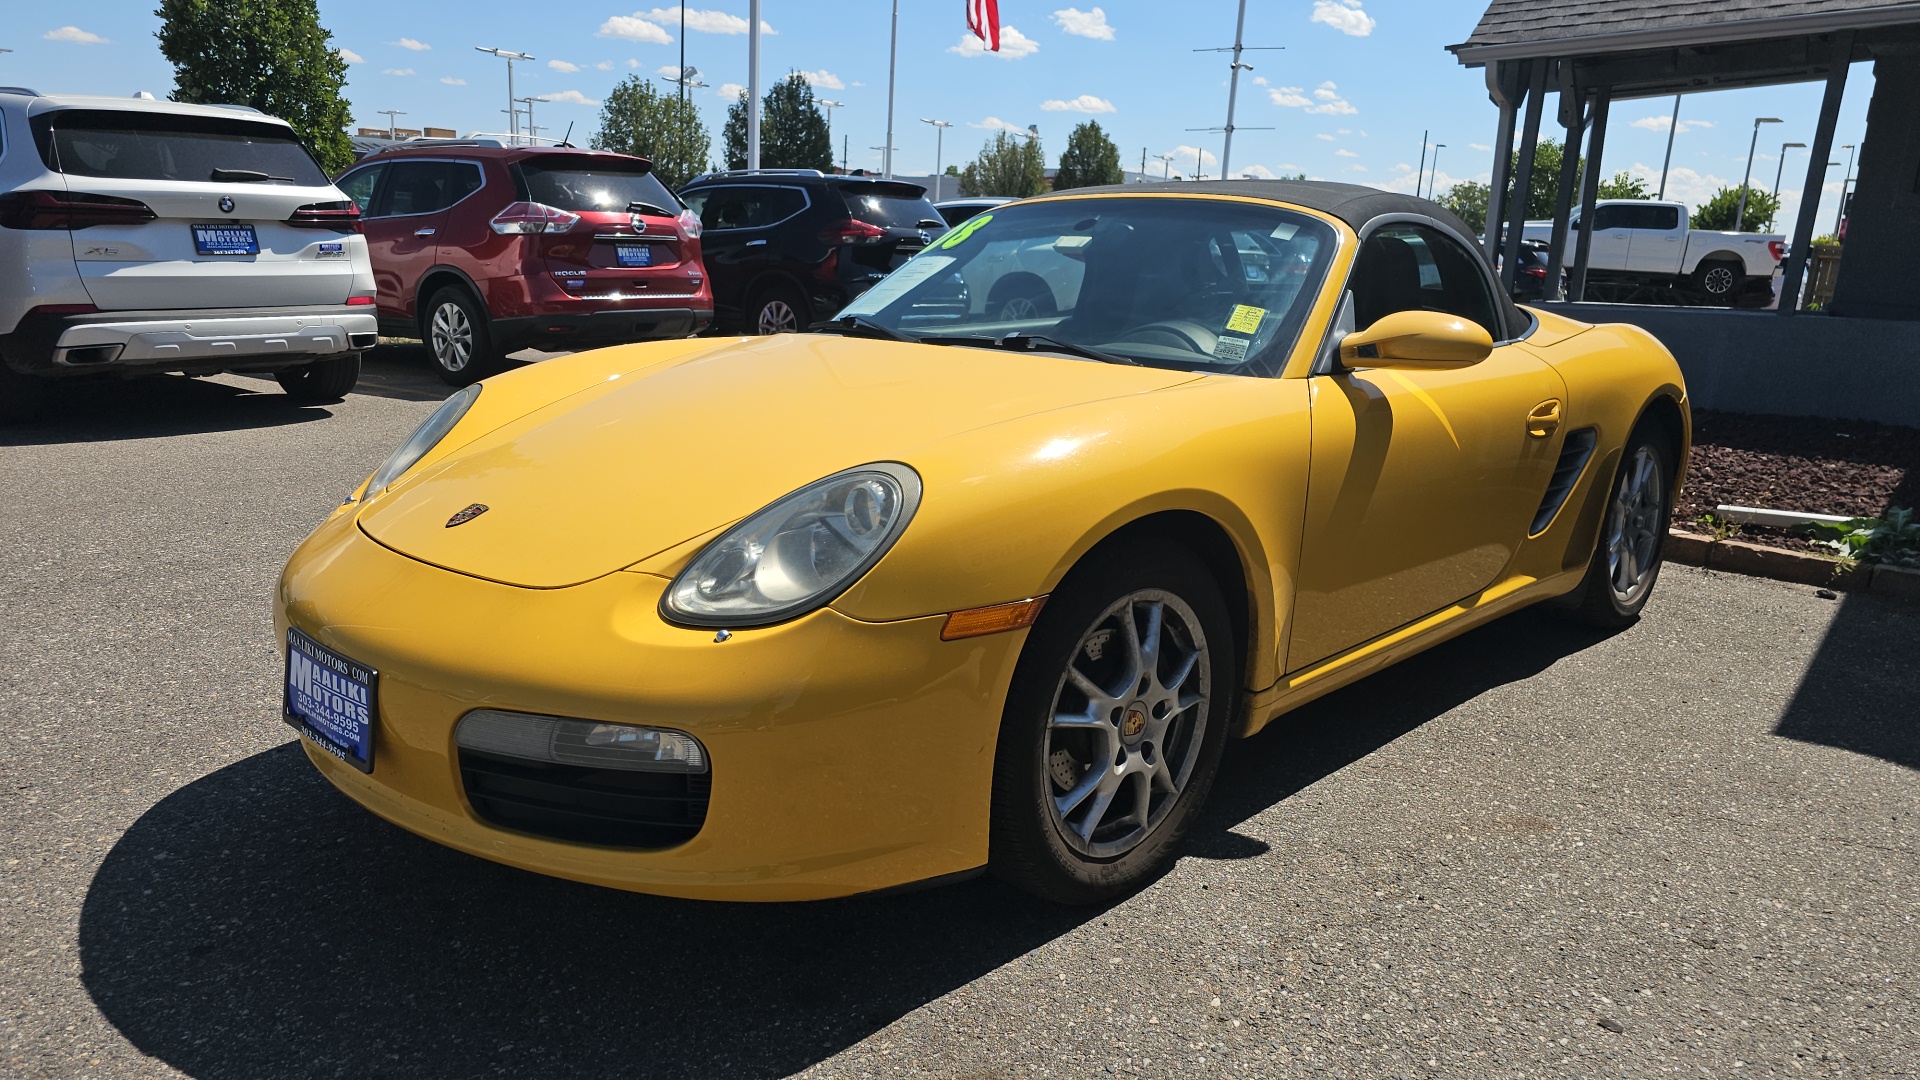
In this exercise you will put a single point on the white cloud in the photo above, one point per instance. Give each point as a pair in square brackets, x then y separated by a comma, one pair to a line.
[1259, 172]
[1346, 131]
[1482, 147]
[1403, 167]
[1330, 103]
[1085, 103]
[396, 71]
[994, 123]
[1323, 136]
[1260, 80]
[1183, 159]
[563, 67]
[411, 45]
[451, 81]
[632, 63]
[604, 65]
[1290, 97]
[824, 79]
[731, 91]
[572, 97]
[1013, 45]
[706, 22]
[1356, 168]
[1344, 152]
[352, 57]
[1086, 24]
[75, 35]
[634, 28]
[1344, 16]
[1662, 123]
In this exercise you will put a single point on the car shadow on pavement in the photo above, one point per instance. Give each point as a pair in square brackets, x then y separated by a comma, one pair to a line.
[153, 407]
[1857, 693]
[257, 923]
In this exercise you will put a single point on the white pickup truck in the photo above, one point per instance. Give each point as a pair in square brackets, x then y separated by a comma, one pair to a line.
[1645, 243]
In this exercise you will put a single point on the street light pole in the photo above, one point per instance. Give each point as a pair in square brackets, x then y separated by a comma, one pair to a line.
[893, 57]
[830, 106]
[680, 73]
[532, 131]
[1778, 168]
[1740, 215]
[1421, 173]
[1845, 179]
[513, 108]
[939, 137]
[1437, 147]
[1673, 126]
[1166, 165]
[390, 114]
[753, 83]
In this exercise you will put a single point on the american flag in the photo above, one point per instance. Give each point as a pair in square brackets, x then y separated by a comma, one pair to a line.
[983, 18]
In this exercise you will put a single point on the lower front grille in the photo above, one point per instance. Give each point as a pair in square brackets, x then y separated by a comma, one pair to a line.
[584, 805]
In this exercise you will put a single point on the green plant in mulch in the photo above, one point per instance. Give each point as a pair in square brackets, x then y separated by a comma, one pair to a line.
[1718, 528]
[1893, 540]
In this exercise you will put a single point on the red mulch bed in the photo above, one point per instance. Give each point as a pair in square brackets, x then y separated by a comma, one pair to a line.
[1797, 463]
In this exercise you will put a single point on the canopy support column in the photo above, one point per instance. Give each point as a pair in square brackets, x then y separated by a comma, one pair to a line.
[1802, 242]
[1590, 191]
[1573, 119]
[1502, 77]
[1523, 174]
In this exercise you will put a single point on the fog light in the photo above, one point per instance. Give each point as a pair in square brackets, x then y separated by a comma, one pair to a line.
[564, 741]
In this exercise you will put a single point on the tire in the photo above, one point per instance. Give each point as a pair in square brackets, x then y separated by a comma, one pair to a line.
[323, 381]
[777, 309]
[1719, 279]
[458, 336]
[22, 397]
[1633, 531]
[1020, 296]
[1099, 848]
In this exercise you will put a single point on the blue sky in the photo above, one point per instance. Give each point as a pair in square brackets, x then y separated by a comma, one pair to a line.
[1348, 98]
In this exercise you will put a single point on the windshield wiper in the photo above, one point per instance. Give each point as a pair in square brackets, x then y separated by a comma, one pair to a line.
[860, 326]
[246, 176]
[648, 208]
[1035, 343]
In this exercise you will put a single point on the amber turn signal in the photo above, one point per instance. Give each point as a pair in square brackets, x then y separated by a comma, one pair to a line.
[975, 622]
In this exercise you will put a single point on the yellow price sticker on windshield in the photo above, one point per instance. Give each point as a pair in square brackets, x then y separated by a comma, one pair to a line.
[959, 235]
[1245, 319]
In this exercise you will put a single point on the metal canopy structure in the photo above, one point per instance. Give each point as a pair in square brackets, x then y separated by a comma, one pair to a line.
[1591, 53]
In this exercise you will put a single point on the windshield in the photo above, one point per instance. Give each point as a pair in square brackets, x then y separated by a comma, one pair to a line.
[129, 145]
[1200, 284]
[586, 184]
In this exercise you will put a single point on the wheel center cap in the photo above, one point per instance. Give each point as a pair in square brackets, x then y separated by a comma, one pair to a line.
[1134, 722]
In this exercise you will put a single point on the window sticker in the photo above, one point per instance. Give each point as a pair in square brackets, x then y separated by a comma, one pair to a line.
[966, 229]
[1245, 319]
[1231, 349]
[899, 283]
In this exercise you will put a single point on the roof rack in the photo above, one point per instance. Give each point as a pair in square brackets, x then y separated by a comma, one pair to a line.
[760, 172]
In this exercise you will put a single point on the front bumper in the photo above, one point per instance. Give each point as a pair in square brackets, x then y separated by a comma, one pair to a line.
[846, 756]
[247, 339]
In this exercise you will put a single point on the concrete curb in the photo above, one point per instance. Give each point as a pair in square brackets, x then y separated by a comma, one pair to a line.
[1805, 568]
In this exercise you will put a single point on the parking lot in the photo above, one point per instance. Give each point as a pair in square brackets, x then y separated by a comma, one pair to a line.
[1685, 849]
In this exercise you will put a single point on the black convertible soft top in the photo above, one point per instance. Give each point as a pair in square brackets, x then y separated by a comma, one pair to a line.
[1352, 203]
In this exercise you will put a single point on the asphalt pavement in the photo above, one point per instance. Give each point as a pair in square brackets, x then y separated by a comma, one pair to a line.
[1686, 849]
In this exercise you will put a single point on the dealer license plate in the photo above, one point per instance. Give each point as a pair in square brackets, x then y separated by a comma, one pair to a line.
[329, 699]
[225, 240]
[633, 254]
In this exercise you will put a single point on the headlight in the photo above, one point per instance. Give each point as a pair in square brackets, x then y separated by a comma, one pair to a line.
[799, 553]
[424, 439]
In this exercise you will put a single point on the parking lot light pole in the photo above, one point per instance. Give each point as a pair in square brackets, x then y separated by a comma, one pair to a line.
[939, 136]
[513, 107]
[1845, 179]
[532, 131]
[1437, 147]
[753, 83]
[1166, 166]
[1784, 147]
[1673, 126]
[830, 106]
[893, 57]
[390, 114]
[1740, 215]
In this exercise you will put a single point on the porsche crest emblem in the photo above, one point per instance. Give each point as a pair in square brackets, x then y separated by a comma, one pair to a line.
[466, 514]
[1136, 721]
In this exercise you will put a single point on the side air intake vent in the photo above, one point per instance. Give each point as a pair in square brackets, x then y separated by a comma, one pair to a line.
[1573, 459]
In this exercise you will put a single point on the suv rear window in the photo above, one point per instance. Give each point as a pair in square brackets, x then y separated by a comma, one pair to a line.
[893, 206]
[586, 184]
[158, 146]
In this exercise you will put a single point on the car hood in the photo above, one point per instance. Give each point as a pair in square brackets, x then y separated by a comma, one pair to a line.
[601, 479]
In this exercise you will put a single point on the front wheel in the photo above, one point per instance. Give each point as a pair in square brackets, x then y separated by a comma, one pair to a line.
[1633, 532]
[1113, 727]
[777, 310]
[323, 381]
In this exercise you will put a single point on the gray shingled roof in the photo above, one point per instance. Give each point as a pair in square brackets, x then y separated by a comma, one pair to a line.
[1604, 25]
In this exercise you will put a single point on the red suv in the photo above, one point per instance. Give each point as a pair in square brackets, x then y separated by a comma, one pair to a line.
[481, 249]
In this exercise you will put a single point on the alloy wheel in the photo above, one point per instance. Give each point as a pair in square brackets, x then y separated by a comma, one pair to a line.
[452, 337]
[1718, 281]
[1129, 717]
[777, 317]
[1633, 526]
[1018, 309]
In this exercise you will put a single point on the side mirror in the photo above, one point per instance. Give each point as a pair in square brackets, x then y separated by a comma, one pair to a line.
[1417, 340]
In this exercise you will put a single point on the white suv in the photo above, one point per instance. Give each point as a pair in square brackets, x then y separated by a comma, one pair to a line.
[142, 236]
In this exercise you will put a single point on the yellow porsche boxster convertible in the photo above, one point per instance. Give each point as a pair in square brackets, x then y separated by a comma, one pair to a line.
[986, 571]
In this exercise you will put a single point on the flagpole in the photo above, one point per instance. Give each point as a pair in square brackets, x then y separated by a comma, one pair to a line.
[893, 56]
[753, 84]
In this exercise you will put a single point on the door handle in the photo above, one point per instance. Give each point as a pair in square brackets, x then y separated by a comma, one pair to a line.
[1544, 419]
[754, 243]
[423, 232]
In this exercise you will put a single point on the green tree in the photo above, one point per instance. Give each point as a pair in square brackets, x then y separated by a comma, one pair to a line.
[1716, 214]
[1623, 185]
[639, 120]
[793, 130]
[1007, 165]
[272, 55]
[1468, 201]
[1090, 159]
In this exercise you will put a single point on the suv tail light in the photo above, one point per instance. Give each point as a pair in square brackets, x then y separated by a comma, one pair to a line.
[689, 223]
[852, 231]
[69, 210]
[525, 218]
[1777, 249]
[338, 216]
